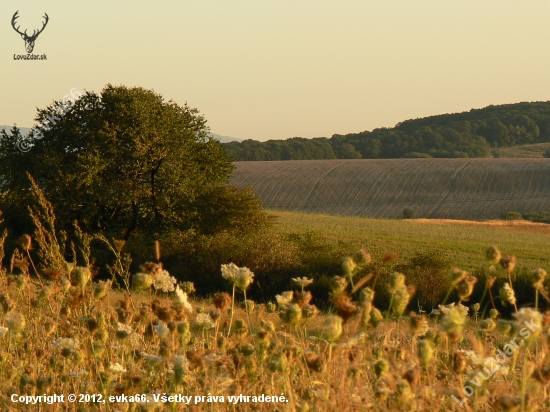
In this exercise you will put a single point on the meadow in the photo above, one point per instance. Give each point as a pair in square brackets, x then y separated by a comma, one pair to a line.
[143, 341]
[464, 241]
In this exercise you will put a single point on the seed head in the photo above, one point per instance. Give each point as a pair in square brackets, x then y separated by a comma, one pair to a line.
[362, 257]
[508, 263]
[292, 314]
[332, 328]
[493, 255]
[424, 350]
[81, 276]
[507, 295]
[537, 278]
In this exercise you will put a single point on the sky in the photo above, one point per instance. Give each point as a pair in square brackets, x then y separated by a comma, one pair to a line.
[275, 69]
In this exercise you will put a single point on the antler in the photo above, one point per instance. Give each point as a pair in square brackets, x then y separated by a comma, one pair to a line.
[15, 16]
[34, 35]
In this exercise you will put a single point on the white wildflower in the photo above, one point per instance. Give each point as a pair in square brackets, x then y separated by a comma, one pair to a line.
[163, 281]
[117, 368]
[123, 327]
[205, 321]
[284, 299]
[161, 330]
[66, 343]
[230, 272]
[239, 277]
[179, 360]
[182, 298]
[303, 281]
[152, 359]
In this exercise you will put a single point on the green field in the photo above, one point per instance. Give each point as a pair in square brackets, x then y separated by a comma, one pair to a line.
[465, 242]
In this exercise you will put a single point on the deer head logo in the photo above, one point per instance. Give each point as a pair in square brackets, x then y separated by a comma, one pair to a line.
[29, 40]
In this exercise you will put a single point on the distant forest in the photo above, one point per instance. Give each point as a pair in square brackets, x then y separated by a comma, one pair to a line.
[468, 134]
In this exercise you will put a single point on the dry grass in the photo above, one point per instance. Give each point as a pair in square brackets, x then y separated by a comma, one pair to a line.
[432, 188]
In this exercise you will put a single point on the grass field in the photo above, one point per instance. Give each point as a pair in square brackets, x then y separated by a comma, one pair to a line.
[464, 241]
[524, 151]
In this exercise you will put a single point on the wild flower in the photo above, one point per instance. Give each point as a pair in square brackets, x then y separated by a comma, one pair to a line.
[453, 320]
[508, 263]
[332, 328]
[400, 299]
[117, 368]
[182, 298]
[66, 343]
[338, 284]
[102, 288]
[303, 281]
[222, 301]
[161, 329]
[529, 322]
[493, 255]
[81, 276]
[292, 314]
[239, 277]
[152, 359]
[348, 266]
[142, 281]
[537, 278]
[507, 295]
[164, 282]
[424, 350]
[396, 281]
[15, 321]
[205, 321]
[284, 299]
[3, 331]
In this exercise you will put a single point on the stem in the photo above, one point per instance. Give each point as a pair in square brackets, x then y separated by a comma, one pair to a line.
[232, 309]
[247, 314]
[34, 267]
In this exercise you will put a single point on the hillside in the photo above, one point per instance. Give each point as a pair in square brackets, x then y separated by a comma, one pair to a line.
[523, 151]
[432, 188]
[471, 134]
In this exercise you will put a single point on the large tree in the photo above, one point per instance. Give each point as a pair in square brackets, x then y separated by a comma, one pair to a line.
[121, 160]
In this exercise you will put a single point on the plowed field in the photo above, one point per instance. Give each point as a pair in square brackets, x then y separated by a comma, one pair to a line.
[432, 188]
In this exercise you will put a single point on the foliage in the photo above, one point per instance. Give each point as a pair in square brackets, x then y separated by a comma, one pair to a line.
[511, 215]
[467, 134]
[126, 159]
[408, 213]
[542, 217]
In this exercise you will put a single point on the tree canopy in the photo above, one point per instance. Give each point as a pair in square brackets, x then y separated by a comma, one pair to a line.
[469, 134]
[122, 160]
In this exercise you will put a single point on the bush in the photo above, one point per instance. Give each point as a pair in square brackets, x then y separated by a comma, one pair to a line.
[541, 217]
[511, 215]
[429, 272]
[408, 213]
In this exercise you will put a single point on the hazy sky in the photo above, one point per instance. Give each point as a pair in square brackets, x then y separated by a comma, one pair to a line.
[274, 69]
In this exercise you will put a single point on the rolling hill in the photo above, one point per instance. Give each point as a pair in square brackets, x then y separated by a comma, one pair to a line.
[432, 188]
[473, 134]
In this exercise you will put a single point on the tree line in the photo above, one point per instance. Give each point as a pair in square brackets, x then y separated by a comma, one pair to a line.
[468, 134]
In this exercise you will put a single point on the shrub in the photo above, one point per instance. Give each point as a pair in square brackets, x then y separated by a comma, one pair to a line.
[408, 213]
[429, 272]
[511, 215]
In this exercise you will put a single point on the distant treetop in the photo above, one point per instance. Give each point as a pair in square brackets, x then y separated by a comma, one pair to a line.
[468, 134]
